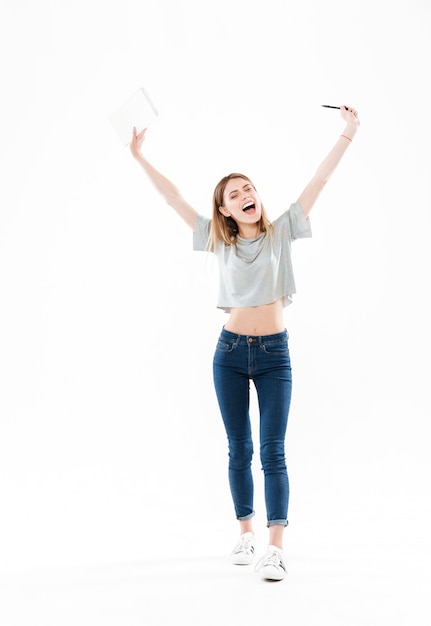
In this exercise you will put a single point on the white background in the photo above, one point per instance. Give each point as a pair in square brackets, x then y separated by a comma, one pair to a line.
[112, 452]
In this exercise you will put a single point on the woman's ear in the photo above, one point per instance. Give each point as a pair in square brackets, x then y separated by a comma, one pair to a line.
[224, 211]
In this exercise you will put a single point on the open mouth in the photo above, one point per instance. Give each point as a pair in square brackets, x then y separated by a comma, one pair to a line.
[250, 206]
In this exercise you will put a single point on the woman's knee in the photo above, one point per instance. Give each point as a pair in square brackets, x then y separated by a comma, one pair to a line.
[240, 453]
[272, 456]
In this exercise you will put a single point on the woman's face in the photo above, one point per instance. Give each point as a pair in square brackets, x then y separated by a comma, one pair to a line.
[241, 202]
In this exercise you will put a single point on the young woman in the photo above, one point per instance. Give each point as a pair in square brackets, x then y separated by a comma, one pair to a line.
[256, 283]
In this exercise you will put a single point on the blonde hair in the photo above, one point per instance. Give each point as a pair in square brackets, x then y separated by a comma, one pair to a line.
[223, 228]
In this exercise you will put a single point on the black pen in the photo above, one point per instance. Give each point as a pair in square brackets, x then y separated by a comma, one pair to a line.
[329, 106]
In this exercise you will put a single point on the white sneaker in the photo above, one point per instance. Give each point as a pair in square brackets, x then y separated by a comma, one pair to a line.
[272, 565]
[243, 552]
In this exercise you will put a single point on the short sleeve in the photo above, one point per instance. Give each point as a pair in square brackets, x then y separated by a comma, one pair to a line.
[201, 233]
[294, 219]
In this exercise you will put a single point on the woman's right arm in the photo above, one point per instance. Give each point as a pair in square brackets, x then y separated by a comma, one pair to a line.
[164, 186]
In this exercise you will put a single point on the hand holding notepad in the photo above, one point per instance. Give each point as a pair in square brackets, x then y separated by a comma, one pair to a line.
[138, 112]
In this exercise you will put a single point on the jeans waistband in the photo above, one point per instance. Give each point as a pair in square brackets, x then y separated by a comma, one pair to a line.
[253, 339]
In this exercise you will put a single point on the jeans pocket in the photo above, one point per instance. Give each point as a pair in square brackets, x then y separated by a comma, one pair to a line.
[225, 345]
[277, 347]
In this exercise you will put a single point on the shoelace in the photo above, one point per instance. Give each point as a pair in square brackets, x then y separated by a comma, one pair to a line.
[244, 545]
[273, 558]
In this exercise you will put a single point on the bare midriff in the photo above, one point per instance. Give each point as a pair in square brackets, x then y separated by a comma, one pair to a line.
[257, 320]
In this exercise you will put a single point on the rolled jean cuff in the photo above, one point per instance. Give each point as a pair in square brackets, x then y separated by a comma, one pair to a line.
[277, 522]
[246, 517]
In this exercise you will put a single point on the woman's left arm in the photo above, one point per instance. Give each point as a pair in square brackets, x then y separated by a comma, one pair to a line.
[311, 192]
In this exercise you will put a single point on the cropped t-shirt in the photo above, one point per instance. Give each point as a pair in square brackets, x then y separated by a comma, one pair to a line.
[257, 271]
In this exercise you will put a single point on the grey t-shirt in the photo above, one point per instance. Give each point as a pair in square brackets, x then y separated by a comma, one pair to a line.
[256, 271]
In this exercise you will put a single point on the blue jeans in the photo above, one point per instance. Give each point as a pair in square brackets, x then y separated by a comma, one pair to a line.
[264, 360]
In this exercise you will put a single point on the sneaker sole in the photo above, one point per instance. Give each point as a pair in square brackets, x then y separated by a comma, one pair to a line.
[242, 561]
[271, 573]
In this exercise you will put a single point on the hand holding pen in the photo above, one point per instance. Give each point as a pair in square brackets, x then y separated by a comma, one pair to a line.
[349, 115]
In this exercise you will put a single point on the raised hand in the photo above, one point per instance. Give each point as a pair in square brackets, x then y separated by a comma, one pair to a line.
[350, 116]
[136, 142]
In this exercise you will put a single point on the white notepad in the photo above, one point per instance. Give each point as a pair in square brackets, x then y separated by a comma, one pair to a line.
[138, 111]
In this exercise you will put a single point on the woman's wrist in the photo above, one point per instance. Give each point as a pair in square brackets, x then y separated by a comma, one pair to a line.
[349, 132]
[137, 154]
